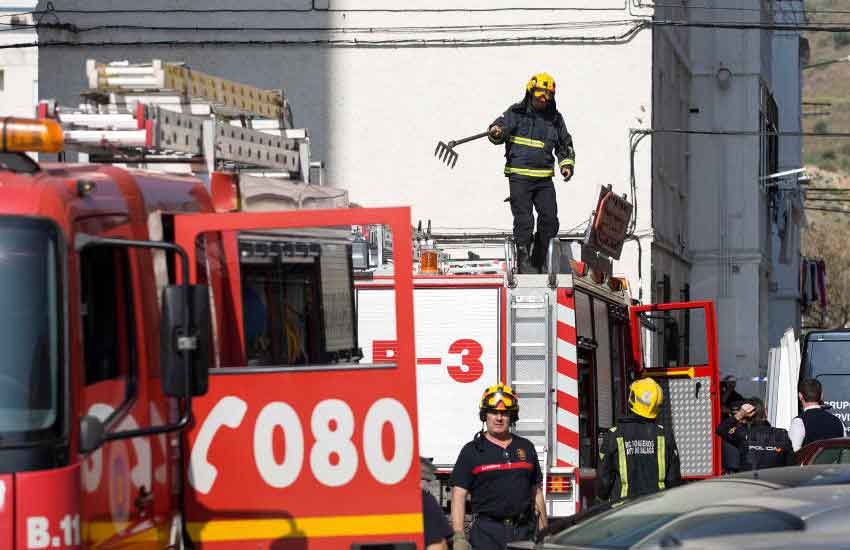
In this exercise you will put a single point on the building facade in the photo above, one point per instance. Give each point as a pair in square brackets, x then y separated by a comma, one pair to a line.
[18, 66]
[379, 84]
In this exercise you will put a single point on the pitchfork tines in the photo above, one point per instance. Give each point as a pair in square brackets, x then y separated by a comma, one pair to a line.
[446, 151]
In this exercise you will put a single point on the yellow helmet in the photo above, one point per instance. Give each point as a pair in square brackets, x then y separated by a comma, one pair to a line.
[541, 82]
[499, 398]
[645, 397]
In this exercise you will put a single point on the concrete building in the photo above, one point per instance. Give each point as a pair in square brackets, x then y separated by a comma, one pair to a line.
[784, 286]
[18, 66]
[379, 83]
[737, 76]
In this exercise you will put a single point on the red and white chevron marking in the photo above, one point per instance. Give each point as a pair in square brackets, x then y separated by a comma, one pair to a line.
[566, 445]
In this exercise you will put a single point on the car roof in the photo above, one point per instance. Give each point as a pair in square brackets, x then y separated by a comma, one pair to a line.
[803, 502]
[795, 476]
[786, 540]
[833, 442]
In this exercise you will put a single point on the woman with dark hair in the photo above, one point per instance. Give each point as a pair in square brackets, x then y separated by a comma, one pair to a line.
[759, 444]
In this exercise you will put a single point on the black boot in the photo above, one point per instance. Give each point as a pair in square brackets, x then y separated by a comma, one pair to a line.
[523, 260]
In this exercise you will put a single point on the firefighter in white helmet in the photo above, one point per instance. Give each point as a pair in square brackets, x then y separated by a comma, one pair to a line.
[638, 456]
[501, 473]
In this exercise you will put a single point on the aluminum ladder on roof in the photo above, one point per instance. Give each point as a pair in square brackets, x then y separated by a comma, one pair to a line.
[530, 311]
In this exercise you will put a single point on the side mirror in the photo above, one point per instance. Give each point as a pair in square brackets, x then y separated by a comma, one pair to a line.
[183, 347]
[92, 433]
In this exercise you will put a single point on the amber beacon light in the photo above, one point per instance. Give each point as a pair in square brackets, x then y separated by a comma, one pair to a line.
[26, 135]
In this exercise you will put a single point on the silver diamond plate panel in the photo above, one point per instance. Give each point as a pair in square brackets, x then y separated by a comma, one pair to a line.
[687, 409]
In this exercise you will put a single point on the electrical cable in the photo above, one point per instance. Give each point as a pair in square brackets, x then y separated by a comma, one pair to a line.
[832, 210]
[566, 25]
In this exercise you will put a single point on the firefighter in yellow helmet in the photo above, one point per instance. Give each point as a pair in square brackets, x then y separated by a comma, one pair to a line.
[638, 456]
[501, 473]
[535, 138]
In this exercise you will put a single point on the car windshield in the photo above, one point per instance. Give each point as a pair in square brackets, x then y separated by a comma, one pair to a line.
[628, 524]
[828, 362]
[726, 519]
[30, 306]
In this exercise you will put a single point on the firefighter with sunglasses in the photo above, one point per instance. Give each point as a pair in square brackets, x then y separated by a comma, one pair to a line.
[532, 130]
[500, 472]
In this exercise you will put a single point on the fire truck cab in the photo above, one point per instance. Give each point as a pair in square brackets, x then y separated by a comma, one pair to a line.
[182, 364]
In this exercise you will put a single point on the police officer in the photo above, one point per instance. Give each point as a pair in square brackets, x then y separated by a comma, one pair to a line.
[501, 473]
[638, 456]
[759, 444]
[814, 423]
[531, 130]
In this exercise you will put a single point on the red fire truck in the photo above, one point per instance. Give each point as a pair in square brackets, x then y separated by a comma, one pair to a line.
[569, 341]
[183, 370]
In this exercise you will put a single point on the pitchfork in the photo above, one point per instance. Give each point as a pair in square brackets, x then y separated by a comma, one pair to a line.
[447, 153]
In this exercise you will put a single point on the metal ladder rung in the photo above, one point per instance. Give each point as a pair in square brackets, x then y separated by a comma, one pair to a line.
[528, 345]
[528, 306]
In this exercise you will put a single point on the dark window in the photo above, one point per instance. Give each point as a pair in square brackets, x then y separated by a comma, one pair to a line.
[833, 455]
[30, 327]
[728, 520]
[109, 344]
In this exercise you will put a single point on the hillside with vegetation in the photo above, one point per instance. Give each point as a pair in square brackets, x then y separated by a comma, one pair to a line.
[826, 109]
[826, 88]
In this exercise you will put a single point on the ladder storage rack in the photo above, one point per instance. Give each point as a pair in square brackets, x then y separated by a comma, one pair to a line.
[165, 112]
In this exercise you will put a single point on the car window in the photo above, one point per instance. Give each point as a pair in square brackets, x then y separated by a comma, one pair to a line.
[833, 455]
[629, 523]
[729, 520]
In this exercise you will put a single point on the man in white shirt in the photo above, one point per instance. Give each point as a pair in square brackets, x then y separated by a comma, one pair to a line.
[814, 423]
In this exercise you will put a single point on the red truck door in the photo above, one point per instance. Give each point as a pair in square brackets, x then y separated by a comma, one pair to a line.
[325, 455]
[676, 345]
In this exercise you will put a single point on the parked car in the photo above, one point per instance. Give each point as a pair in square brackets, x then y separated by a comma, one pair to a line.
[774, 541]
[825, 451]
[685, 509]
[814, 510]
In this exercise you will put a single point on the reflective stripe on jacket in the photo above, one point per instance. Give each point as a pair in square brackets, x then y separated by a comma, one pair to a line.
[531, 139]
[637, 457]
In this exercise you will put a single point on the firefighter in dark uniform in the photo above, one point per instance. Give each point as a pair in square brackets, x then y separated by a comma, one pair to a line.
[638, 456]
[501, 473]
[531, 130]
[759, 444]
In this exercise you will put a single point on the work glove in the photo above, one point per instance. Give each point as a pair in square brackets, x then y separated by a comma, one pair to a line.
[460, 542]
[567, 172]
[496, 134]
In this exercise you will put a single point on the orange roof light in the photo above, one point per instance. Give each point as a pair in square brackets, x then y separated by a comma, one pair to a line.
[27, 135]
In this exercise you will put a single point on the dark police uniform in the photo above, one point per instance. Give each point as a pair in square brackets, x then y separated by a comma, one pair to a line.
[502, 484]
[637, 457]
[530, 138]
[436, 528]
[759, 444]
[820, 424]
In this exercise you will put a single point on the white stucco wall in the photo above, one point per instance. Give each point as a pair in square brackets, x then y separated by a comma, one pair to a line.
[19, 92]
[376, 112]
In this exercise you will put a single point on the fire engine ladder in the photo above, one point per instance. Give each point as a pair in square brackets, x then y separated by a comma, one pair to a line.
[167, 113]
[531, 355]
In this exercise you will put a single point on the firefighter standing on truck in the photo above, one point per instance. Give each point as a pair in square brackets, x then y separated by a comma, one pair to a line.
[638, 456]
[531, 130]
[501, 473]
